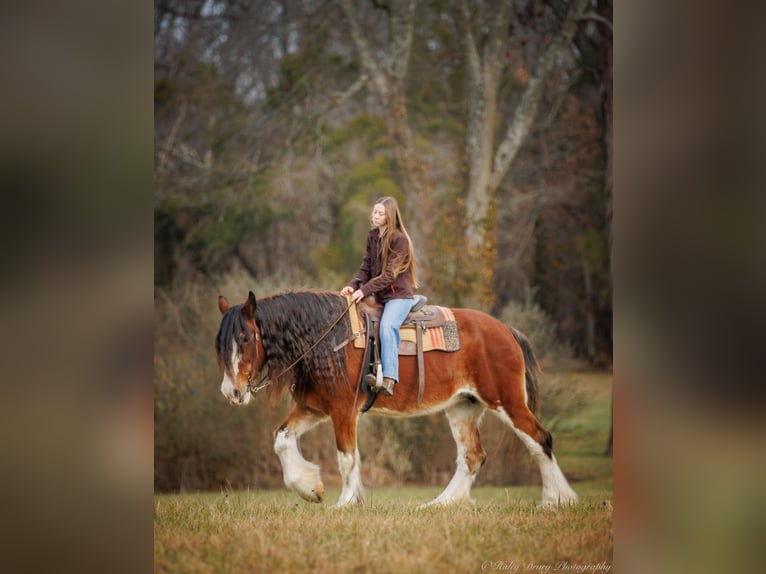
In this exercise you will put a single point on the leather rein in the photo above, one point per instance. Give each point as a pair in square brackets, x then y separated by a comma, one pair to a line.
[255, 385]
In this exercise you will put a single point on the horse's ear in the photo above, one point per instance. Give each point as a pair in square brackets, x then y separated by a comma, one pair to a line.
[248, 309]
[223, 304]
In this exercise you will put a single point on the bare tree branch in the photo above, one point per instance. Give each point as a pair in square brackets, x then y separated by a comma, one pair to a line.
[530, 101]
[167, 146]
[402, 25]
[597, 18]
[368, 62]
[351, 91]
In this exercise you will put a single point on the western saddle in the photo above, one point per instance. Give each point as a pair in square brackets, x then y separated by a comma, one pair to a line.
[422, 319]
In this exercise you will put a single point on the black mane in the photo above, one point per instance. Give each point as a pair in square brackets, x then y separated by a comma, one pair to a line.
[290, 323]
[232, 324]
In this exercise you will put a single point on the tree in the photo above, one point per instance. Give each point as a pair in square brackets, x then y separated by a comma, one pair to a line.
[275, 126]
[388, 76]
[488, 165]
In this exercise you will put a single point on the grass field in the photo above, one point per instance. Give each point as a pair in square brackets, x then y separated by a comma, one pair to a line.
[502, 530]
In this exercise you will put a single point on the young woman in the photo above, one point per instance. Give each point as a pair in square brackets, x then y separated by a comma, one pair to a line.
[387, 272]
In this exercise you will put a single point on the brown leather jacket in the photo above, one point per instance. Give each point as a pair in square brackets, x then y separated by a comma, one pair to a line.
[373, 279]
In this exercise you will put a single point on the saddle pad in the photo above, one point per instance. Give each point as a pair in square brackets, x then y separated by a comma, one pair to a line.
[444, 338]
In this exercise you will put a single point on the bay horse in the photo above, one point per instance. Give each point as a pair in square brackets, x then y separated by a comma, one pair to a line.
[290, 343]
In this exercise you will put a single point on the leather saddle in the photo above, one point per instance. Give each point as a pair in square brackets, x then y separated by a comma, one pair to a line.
[429, 320]
[419, 314]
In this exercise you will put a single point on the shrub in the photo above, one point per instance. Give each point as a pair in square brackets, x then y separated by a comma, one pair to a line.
[529, 318]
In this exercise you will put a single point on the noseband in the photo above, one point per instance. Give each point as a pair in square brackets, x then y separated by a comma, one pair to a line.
[255, 385]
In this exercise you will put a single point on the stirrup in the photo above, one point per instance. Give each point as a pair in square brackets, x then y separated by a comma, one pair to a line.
[372, 382]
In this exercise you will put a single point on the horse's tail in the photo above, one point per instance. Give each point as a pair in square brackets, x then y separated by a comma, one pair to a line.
[532, 370]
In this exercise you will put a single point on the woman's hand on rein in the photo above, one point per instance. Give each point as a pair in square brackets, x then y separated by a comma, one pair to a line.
[357, 296]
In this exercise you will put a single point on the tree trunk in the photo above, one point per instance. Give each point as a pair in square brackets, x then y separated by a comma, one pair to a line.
[608, 189]
[485, 173]
[590, 318]
[482, 75]
[388, 80]
[610, 441]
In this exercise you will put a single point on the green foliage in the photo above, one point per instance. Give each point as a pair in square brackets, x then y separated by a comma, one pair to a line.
[203, 87]
[344, 253]
[369, 130]
[292, 70]
[321, 160]
[168, 235]
[365, 182]
[307, 71]
[344, 68]
[371, 179]
[453, 275]
[230, 217]
[163, 92]
[594, 244]
[211, 225]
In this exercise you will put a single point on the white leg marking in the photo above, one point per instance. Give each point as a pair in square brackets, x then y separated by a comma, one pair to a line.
[299, 474]
[556, 489]
[462, 422]
[459, 488]
[350, 472]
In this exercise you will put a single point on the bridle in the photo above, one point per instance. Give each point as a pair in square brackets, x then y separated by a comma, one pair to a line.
[255, 385]
[251, 387]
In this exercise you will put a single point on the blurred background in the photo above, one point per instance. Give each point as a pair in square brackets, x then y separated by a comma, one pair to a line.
[278, 124]
[93, 173]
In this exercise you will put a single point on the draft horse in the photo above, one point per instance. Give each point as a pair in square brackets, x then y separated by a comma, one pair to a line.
[289, 342]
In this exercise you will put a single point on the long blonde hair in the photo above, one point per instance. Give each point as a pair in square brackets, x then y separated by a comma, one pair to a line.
[394, 222]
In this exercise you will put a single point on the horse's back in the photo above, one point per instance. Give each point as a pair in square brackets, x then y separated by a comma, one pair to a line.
[473, 321]
[485, 337]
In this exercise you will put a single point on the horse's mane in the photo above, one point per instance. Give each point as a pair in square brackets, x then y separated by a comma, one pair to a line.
[290, 324]
[232, 323]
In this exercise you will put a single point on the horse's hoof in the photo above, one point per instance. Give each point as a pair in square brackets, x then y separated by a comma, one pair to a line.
[314, 495]
[319, 491]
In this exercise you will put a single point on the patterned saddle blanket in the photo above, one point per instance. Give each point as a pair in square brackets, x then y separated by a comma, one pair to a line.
[436, 325]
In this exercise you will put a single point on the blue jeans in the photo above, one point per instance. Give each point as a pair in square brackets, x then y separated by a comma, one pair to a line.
[394, 313]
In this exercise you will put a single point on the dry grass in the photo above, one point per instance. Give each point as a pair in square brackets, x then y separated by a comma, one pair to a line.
[504, 530]
[274, 531]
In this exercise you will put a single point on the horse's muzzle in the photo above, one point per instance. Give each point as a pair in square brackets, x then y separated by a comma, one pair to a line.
[238, 397]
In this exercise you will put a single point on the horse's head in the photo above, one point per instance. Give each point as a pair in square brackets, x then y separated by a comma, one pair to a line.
[239, 350]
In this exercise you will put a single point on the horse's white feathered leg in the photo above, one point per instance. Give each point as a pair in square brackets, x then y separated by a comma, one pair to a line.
[350, 472]
[299, 474]
[464, 418]
[556, 489]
